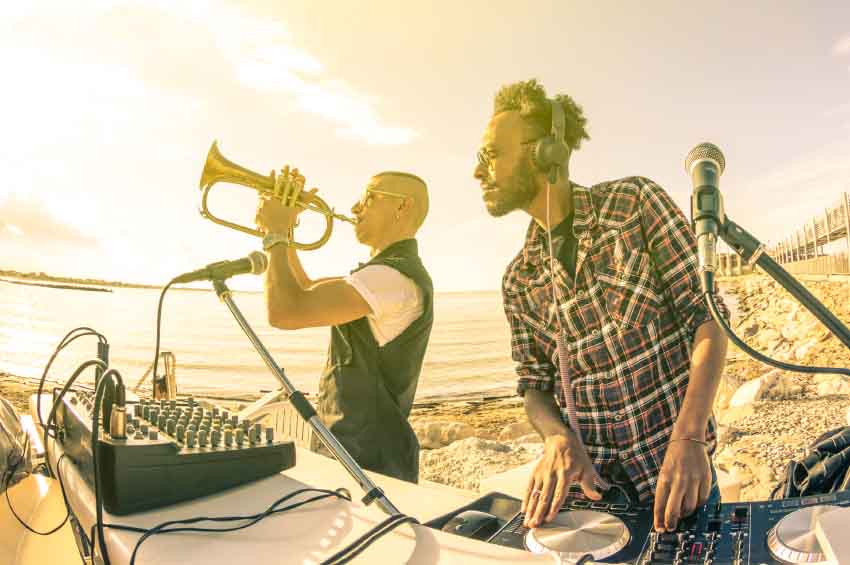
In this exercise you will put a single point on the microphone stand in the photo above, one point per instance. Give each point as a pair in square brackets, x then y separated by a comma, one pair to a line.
[305, 409]
[752, 250]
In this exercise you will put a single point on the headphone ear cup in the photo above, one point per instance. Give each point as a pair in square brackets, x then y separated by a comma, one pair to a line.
[549, 152]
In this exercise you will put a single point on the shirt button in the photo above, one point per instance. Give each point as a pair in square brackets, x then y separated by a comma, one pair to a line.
[580, 294]
[595, 333]
[619, 415]
[624, 456]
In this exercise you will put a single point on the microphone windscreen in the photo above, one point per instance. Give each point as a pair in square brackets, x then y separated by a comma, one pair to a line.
[259, 262]
[705, 151]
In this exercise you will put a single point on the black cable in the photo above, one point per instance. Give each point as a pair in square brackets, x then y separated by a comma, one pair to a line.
[712, 305]
[158, 327]
[62, 345]
[252, 519]
[109, 375]
[58, 400]
[64, 497]
[359, 545]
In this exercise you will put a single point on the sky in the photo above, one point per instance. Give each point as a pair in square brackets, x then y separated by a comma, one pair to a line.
[109, 107]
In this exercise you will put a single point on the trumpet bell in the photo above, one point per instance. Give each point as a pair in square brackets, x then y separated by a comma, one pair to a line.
[217, 168]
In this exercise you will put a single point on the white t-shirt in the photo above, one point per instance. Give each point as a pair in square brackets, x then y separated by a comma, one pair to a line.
[396, 300]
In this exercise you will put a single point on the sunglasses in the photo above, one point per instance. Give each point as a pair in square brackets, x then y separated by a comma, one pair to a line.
[484, 156]
[366, 199]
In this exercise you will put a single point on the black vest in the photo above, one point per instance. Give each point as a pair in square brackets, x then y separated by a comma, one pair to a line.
[366, 391]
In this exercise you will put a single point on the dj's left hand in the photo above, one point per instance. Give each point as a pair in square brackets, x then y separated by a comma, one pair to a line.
[683, 484]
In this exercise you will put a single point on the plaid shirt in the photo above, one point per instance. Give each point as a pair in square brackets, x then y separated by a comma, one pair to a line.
[628, 333]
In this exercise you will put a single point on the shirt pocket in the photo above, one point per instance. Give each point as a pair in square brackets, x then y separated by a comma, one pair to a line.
[630, 296]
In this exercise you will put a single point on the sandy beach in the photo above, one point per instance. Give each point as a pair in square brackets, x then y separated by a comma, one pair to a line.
[766, 416]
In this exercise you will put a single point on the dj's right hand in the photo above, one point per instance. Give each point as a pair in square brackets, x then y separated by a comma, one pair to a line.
[564, 462]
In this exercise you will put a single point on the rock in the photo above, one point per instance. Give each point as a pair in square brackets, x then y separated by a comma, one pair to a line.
[456, 431]
[848, 416]
[767, 337]
[748, 393]
[530, 438]
[837, 385]
[516, 430]
[801, 352]
[465, 462]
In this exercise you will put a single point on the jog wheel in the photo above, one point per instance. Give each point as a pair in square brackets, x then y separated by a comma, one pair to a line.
[575, 533]
[792, 540]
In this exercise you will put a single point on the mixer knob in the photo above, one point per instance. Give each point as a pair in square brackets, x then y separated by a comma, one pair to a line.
[171, 426]
[240, 436]
[225, 415]
[190, 438]
[202, 438]
[139, 435]
[216, 438]
[228, 437]
[161, 421]
[130, 430]
[190, 401]
[215, 411]
[234, 420]
[153, 434]
[181, 432]
[146, 412]
[269, 435]
[144, 429]
[172, 404]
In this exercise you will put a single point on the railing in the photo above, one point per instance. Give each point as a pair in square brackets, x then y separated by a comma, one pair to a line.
[803, 251]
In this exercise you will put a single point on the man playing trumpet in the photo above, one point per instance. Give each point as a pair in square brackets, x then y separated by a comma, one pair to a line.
[380, 316]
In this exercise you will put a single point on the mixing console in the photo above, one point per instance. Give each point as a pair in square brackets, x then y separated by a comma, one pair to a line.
[173, 451]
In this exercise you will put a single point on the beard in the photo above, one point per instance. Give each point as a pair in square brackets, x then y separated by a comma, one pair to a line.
[516, 193]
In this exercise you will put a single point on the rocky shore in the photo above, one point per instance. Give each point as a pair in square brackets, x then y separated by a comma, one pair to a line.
[767, 416]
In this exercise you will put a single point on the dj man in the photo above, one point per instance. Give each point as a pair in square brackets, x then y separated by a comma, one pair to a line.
[611, 269]
[380, 317]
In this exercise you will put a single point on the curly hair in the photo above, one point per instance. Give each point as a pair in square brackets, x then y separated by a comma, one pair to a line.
[529, 98]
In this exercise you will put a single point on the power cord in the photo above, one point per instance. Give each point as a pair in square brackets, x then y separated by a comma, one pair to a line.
[360, 544]
[166, 528]
[6, 484]
[66, 341]
[158, 330]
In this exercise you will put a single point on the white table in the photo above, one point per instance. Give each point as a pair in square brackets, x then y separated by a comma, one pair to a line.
[308, 534]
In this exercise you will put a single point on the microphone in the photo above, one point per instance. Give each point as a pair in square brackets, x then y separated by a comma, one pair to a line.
[704, 164]
[255, 263]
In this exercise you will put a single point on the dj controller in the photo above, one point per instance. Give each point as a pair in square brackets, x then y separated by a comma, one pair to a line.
[769, 532]
[169, 451]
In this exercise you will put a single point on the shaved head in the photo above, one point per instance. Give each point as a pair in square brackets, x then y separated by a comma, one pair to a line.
[410, 185]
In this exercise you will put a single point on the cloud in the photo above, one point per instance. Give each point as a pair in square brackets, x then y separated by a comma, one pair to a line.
[813, 182]
[842, 46]
[28, 220]
[199, 46]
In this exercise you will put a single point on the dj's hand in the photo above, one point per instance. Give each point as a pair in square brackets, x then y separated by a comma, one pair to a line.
[683, 484]
[275, 217]
[564, 462]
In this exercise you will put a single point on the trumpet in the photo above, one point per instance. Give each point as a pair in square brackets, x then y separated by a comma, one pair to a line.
[219, 169]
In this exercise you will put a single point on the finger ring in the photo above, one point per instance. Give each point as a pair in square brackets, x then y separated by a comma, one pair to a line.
[536, 492]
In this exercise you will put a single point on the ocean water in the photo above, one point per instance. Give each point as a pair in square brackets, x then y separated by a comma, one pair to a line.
[468, 352]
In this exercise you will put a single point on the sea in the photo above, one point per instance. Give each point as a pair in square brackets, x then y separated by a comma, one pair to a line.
[468, 354]
[469, 351]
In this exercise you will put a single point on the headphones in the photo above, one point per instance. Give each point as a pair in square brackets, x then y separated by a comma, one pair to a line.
[551, 151]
